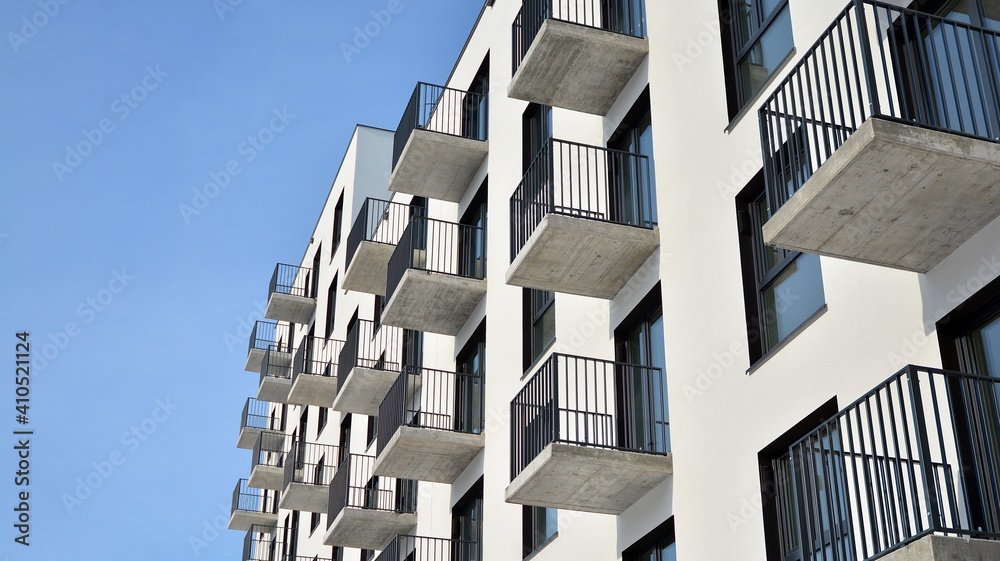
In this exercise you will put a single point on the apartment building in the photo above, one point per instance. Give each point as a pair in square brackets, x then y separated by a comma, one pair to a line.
[648, 280]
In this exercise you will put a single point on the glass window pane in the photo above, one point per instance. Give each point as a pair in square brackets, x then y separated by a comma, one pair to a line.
[794, 295]
[765, 55]
[744, 21]
[988, 344]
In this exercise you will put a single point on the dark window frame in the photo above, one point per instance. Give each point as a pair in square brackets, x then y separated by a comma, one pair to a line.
[331, 307]
[664, 534]
[733, 55]
[532, 317]
[338, 224]
[529, 519]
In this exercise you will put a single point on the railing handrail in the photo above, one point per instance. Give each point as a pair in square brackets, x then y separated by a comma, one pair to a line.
[270, 448]
[442, 110]
[250, 499]
[369, 345]
[378, 221]
[437, 246]
[298, 281]
[255, 409]
[316, 356]
[427, 549]
[310, 463]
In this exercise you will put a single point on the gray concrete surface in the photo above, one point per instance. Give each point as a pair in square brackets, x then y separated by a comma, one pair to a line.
[285, 307]
[428, 454]
[433, 302]
[266, 477]
[242, 520]
[437, 165]
[305, 497]
[366, 273]
[363, 390]
[248, 437]
[274, 389]
[368, 529]
[310, 389]
[947, 548]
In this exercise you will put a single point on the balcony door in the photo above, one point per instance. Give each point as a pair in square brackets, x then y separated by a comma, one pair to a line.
[472, 243]
[641, 393]
[467, 525]
[624, 16]
[950, 72]
[632, 184]
[470, 365]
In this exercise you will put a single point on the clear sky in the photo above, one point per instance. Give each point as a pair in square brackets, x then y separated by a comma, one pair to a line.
[114, 112]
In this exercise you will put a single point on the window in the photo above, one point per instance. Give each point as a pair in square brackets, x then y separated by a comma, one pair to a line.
[470, 364]
[639, 341]
[377, 313]
[331, 307]
[413, 348]
[314, 289]
[467, 524]
[538, 526]
[633, 197]
[658, 545]
[624, 16]
[472, 243]
[314, 522]
[371, 431]
[782, 289]
[338, 224]
[539, 324]
[758, 39]
[321, 421]
[536, 130]
[476, 117]
[345, 439]
[783, 494]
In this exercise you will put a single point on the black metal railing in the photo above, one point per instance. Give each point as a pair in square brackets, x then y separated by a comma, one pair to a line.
[431, 399]
[270, 449]
[436, 246]
[248, 499]
[589, 402]
[317, 356]
[377, 347]
[267, 333]
[378, 221]
[263, 543]
[356, 486]
[627, 17]
[310, 464]
[918, 455]
[277, 363]
[442, 110]
[417, 548]
[878, 60]
[257, 415]
[584, 182]
[292, 280]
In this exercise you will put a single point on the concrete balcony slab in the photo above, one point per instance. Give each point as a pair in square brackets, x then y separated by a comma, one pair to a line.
[254, 359]
[947, 548]
[588, 479]
[577, 67]
[243, 520]
[582, 256]
[248, 437]
[274, 389]
[305, 497]
[893, 195]
[266, 477]
[438, 165]
[433, 302]
[363, 390]
[311, 389]
[424, 454]
[363, 528]
[367, 270]
[293, 309]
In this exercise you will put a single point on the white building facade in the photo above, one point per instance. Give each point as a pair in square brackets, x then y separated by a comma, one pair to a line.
[646, 280]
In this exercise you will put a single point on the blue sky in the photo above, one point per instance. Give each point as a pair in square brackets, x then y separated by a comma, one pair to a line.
[114, 113]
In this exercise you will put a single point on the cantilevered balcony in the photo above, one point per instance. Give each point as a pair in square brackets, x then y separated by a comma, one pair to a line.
[430, 425]
[308, 470]
[275, 375]
[911, 466]
[577, 54]
[263, 543]
[418, 548]
[583, 220]
[268, 460]
[367, 511]
[291, 296]
[589, 435]
[368, 366]
[252, 506]
[436, 276]
[370, 244]
[314, 372]
[258, 416]
[440, 143]
[266, 334]
[883, 144]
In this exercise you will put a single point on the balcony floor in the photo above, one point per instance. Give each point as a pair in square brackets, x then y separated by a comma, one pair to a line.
[366, 273]
[310, 389]
[894, 195]
[588, 479]
[294, 309]
[242, 520]
[437, 165]
[581, 256]
[363, 528]
[248, 437]
[946, 548]
[274, 390]
[305, 497]
[363, 390]
[266, 477]
[577, 67]
[254, 359]
[433, 302]
[423, 454]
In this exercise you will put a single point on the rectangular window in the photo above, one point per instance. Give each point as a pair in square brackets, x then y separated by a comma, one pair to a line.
[782, 288]
[345, 439]
[371, 431]
[539, 324]
[331, 307]
[338, 224]
[467, 525]
[538, 526]
[314, 289]
[657, 545]
[639, 340]
[633, 189]
[470, 365]
[321, 421]
[758, 38]
[314, 522]
[536, 130]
